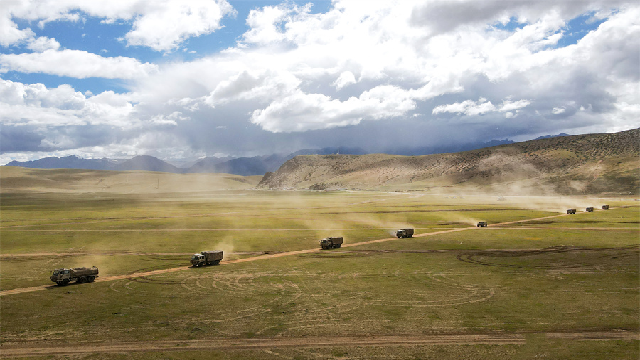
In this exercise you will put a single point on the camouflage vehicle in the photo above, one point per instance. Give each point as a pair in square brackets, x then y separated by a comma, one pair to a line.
[79, 275]
[482, 224]
[404, 233]
[590, 209]
[571, 211]
[605, 207]
[206, 258]
[331, 242]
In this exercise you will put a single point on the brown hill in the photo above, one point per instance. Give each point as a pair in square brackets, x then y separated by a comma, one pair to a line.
[580, 164]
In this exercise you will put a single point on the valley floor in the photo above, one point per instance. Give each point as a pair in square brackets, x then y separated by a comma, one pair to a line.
[535, 283]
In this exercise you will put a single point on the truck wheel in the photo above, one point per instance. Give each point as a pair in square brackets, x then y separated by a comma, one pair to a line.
[65, 282]
[60, 283]
[80, 280]
[91, 278]
[410, 236]
[339, 245]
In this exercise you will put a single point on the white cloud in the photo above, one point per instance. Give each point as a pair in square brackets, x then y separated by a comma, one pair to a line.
[37, 105]
[76, 63]
[9, 32]
[481, 107]
[164, 25]
[346, 78]
[160, 24]
[303, 112]
[558, 110]
[43, 43]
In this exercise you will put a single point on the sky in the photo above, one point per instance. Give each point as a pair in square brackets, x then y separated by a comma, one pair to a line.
[185, 79]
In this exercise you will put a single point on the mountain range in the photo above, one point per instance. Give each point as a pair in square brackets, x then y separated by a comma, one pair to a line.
[245, 166]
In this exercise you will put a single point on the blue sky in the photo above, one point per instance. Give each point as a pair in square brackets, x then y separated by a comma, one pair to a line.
[186, 79]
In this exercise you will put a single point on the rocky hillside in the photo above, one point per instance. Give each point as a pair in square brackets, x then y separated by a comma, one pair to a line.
[580, 164]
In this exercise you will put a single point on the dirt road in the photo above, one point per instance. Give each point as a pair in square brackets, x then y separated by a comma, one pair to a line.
[26, 350]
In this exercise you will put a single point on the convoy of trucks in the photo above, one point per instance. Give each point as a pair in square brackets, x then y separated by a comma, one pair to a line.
[404, 233]
[206, 258]
[64, 276]
[331, 243]
[79, 275]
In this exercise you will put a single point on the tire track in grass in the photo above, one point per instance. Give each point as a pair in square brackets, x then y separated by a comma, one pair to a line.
[29, 350]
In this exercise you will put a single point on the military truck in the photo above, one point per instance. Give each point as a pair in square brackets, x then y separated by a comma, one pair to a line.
[571, 211]
[605, 207]
[482, 224]
[404, 233]
[590, 209]
[79, 275]
[331, 242]
[206, 258]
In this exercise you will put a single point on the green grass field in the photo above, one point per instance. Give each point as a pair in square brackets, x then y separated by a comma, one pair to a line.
[564, 287]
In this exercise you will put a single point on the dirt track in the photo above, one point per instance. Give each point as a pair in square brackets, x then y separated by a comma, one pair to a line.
[22, 350]
[267, 256]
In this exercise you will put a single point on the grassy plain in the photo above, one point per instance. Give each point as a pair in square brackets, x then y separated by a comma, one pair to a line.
[564, 287]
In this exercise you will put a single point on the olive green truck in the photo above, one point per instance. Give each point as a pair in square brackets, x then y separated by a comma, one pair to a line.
[206, 258]
[331, 243]
[79, 275]
[404, 233]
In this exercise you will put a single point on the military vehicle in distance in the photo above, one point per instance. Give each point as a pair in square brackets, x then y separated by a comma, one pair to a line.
[590, 209]
[482, 224]
[605, 207]
[331, 242]
[206, 258]
[79, 275]
[404, 233]
[571, 211]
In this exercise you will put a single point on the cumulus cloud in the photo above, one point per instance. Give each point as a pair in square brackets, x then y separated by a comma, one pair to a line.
[303, 112]
[37, 105]
[160, 24]
[76, 63]
[43, 43]
[187, 19]
[9, 32]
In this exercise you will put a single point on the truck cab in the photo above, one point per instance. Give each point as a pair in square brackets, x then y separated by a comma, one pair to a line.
[61, 276]
[197, 260]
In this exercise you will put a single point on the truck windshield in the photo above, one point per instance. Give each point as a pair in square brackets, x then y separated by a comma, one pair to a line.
[55, 272]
